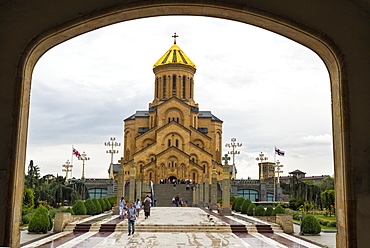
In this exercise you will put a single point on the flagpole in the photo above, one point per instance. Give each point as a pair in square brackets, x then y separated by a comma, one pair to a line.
[71, 161]
[274, 172]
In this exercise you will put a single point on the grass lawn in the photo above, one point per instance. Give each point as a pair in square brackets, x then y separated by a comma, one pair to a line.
[327, 218]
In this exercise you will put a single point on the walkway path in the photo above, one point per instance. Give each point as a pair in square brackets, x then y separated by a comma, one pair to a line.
[171, 227]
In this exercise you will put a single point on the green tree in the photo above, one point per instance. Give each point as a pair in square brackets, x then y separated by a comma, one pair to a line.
[260, 211]
[279, 210]
[245, 205]
[238, 203]
[102, 204]
[79, 208]
[307, 192]
[327, 183]
[295, 203]
[90, 207]
[99, 209]
[310, 225]
[40, 221]
[269, 211]
[109, 206]
[328, 200]
[251, 209]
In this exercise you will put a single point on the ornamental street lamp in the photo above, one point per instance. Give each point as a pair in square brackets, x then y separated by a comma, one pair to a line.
[233, 145]
[261, 158]
[277, 171]
[67, 168]
[112, 152]
[84, 158]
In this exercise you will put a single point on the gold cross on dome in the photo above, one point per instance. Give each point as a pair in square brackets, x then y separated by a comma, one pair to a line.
[174, 36]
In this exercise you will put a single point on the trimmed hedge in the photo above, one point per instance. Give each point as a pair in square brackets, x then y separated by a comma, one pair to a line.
[26, 218]
[310, 225]
[99, 209]
[40, 221]
[107, 203]
[269, 211]
[79, 208]
[238, 203]
[279, 210]
[260, 211]
[250, 209]
[90, 207]
[245, 205]
[102, 204]
[51, 223]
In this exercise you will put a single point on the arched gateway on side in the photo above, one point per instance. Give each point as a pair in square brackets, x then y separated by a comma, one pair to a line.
[173, 139]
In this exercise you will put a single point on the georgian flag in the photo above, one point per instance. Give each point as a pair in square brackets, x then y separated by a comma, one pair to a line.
[279, 152]
[75, 152]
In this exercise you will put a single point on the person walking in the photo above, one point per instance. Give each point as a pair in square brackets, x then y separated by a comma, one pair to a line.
[147, 202]
[122, 204]
[137, 206]
[131, 217]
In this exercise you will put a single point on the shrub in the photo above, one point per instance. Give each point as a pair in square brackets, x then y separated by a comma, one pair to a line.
[232, 200]
[68, 210]
[51, 223]
[79, 208]
[26, 218]
[260, 211]
[269, 211]
[99, 209]
[331, 224]
[310, 225]
[112, 200]
[102, 204]
[109, 206]
[295, 203]
[90, 207]
[245, 206]
[250, 211]
[279, 210]
[40, 221]
[238, 204]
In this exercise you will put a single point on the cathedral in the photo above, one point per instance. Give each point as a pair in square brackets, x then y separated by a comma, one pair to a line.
[173, 140]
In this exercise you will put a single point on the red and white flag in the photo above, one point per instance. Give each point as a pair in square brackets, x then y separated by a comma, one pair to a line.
[279, 152]
[75, 152]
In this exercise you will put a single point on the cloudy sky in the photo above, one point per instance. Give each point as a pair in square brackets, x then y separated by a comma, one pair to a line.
[269, 91]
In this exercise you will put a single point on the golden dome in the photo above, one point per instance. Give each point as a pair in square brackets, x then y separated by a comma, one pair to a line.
[174, 56]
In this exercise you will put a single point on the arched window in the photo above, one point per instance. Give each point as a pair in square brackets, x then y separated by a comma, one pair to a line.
[164, 87]
[177, 143]
[173, 85]
[156, 87]
[97, 193]
[183, 87]
[169, 143]
[270, 197]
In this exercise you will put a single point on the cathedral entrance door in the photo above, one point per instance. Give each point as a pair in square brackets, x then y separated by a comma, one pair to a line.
[172, 179]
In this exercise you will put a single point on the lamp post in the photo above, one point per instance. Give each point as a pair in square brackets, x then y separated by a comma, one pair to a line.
[261, 158]
[112, 144]
[277, 171]
[67, 168]
[233, 145]
[84, 158]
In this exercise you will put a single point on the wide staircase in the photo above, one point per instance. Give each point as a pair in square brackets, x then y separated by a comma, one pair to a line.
[164, 193]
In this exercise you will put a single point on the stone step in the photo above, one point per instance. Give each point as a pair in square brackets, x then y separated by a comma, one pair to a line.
[264, 229]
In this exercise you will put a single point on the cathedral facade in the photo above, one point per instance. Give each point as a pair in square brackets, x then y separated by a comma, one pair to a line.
[173, 139]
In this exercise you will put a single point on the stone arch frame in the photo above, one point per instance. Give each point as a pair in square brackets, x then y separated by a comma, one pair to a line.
[176, 110]
[165, 138]
[89, 18]
[199, 143]
[193, 156]
[147, 142]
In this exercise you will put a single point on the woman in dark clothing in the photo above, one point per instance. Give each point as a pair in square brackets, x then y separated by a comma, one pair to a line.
[147, 202]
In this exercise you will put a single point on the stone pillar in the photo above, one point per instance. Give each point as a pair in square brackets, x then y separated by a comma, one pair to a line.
[226, 210]
[263, 194]
[279, 193]
[201, 195]
[121, 182]
[195, 196]
[132, 182]
[138, 188]
[213, 205]
[206, 191]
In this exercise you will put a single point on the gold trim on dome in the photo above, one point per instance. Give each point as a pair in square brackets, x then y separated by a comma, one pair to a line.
[174, 56]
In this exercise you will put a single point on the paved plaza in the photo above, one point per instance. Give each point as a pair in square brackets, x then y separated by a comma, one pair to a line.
[166, 227]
